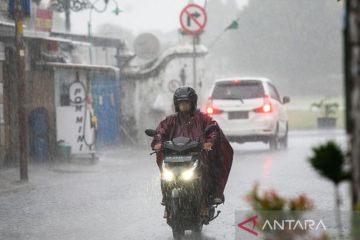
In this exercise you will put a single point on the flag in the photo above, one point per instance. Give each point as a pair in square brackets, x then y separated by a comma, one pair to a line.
[117, 11]
[233, 26]
[25, 8]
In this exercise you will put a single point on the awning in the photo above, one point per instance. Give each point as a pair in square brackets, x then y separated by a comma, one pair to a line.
[79, 66]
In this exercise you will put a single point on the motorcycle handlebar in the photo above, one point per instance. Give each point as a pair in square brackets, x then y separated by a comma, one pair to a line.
[162, 149]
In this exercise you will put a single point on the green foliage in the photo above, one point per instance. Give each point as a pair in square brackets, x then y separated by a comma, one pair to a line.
[329, 161]
[328, 108]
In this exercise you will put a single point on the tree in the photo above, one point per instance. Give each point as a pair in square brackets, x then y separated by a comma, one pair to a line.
[295, 43]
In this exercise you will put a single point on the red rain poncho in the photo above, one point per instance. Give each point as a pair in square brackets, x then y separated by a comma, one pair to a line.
[218, 161]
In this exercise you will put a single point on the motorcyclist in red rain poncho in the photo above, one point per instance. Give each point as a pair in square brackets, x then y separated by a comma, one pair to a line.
[190, 122]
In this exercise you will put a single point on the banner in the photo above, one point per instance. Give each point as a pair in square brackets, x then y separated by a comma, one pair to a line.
[43, 20]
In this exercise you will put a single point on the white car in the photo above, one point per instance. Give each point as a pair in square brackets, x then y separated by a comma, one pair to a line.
[248, 110]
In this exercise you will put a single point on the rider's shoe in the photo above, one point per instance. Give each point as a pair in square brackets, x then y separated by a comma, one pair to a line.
[162, 201]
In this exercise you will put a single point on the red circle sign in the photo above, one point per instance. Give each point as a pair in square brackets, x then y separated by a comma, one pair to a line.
[193, 18]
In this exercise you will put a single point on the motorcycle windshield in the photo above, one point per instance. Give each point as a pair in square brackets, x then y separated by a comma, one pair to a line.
[181, 144]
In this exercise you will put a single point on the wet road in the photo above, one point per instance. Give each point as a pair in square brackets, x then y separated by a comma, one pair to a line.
[118, 198]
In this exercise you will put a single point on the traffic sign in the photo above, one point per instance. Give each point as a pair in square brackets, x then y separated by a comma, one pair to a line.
[173, 85]
[193, 19]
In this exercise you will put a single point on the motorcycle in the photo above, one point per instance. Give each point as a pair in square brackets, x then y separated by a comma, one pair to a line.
[182, 182]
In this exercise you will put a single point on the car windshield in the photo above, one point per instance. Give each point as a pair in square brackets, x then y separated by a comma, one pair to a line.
[238, 90]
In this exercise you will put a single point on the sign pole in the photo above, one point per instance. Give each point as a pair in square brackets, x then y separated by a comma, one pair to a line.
[193, 19]
[194, 60]
[20, 55]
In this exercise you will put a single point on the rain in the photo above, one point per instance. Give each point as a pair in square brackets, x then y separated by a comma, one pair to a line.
[250, 109]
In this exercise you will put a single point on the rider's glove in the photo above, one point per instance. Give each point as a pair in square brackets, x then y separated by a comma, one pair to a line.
[208, 146]
[157, 147]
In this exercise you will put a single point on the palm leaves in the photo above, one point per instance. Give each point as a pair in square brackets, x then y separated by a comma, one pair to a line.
[328, 108]
[329, 161]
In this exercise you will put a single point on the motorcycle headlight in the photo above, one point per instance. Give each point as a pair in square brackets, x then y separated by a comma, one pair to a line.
[188, 174]
[167, 175]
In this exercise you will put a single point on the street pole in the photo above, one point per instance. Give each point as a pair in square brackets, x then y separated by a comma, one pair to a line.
[90, 34]
[67, 15]
[76, 6]
[20, 55]
[194, 60]
[352, 87]
[90, 40]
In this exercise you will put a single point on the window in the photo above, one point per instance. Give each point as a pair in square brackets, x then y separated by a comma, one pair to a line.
[273, 92]
[245, 89]
[64, 95]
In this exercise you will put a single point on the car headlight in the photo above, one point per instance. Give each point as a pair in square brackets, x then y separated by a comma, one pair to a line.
[188, 174]
[167, 175]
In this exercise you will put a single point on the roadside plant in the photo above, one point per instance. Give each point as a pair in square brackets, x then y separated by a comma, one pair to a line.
[271, 206]
[330, 162]
[328, 109]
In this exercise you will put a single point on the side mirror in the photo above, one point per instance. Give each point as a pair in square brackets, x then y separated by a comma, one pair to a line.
[210, 129]
[150, 132]
[286, 100]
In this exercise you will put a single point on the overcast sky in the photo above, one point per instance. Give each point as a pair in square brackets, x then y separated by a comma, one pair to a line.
[139, 15]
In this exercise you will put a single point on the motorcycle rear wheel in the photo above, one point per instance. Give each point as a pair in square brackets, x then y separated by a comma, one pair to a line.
[196, 231]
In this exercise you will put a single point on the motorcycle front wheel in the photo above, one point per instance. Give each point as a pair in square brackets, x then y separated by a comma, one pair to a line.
[177, 228]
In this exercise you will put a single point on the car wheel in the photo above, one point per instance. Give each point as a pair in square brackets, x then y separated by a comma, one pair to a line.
[273, 143]
[284, 140]
[274, 140]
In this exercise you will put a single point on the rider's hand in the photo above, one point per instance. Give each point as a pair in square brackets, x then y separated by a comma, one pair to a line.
[157, 147]
[208, 146]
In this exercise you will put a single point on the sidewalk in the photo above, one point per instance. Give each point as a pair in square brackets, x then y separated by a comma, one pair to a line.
[47, 174]
[40, 175]
[10, 180]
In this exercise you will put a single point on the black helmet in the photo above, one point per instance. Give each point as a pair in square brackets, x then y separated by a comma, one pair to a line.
[185, 94]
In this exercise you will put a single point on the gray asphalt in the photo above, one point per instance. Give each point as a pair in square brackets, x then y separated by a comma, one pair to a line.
[118, 197]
